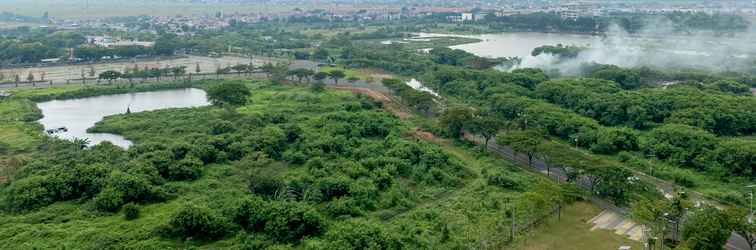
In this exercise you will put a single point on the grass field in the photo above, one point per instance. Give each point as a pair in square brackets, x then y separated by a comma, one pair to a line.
[573, 232]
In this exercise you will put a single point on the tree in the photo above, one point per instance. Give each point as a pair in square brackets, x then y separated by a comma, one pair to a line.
[268, 69]
[321, 54]
[320, 76]
[239, 68]
[91, 71]
[527, 141]
[353, 79]
[110, 75]
[178, 71]
[708, 228]
[739, 220]
[455, 119]
[301, 74]
[30, 77]
[487, 126]
[336, 75]
[651, 214]
[197, 68]
[228, 94]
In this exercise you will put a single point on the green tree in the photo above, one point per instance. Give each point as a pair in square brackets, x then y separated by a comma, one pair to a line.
[455, 120]
[301, 73]
[747, 229]
[110, 75]
[336, 75]
[708, 228]
[486, 126]
[651, 214]
[228, 94]
[178, 71]
[527, 141]
[320, 76]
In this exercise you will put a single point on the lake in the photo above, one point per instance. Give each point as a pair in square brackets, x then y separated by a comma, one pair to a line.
[77, 115]
[516, 44]
[618, 48]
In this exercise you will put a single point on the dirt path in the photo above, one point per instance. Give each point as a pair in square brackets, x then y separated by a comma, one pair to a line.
[388, 103]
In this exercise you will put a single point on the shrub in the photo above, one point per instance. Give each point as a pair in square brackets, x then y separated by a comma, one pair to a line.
[189, 168]
[222, 127]
[29, 193]
[130, 187]
[684, 180]
[252, 214]
[109, 200]
[265, 184]
[343, 206]
[361, 235]
[290, 222]
[334, 186]
[196, 221]
[130, 211]
[318, 86]
[503, 181]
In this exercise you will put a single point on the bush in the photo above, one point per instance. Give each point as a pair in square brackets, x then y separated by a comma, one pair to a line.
[343, 206]
[252, 214]
[196, 221]
[503, 181]
[265, 184]
[361, 235]
[318, 86]
[109, 200]
[290, 222]
[131, 188]
[684, 180]
[130, 211]
[189, 168]
[222, 127]
[29, 193]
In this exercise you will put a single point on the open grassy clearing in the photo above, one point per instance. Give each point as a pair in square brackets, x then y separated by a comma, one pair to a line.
[573, 232]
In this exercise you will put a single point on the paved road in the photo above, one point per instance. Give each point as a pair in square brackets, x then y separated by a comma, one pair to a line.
[71, 74]
[736, 242]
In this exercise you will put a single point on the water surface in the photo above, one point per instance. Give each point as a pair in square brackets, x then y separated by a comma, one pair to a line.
[77, 115]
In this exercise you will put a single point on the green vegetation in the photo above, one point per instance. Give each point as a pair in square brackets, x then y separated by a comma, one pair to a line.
[681, 22]
[290, 167]
[573, 232]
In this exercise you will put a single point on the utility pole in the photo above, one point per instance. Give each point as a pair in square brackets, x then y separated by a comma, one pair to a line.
[750, 215]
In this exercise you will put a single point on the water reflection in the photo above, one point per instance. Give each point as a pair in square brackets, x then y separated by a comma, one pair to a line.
[77, 115]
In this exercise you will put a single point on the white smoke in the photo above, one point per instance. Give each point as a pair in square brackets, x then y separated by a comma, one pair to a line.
[656, 47]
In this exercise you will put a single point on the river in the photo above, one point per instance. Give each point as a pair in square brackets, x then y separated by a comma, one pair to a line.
[77, 115]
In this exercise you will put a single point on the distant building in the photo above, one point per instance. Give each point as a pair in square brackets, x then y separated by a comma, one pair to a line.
[468, 17]
[51, 60]
[108, 42]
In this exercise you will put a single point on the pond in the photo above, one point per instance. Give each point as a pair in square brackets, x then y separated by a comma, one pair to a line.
[77, 115]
